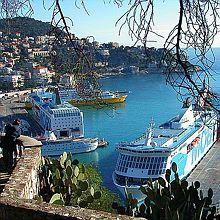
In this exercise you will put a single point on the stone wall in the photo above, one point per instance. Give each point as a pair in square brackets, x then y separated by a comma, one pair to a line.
[17, 203]
[24, 181]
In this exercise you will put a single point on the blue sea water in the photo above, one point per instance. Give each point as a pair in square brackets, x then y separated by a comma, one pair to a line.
[149, 98]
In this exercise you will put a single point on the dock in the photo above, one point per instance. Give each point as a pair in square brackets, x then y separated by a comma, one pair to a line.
[207, 172]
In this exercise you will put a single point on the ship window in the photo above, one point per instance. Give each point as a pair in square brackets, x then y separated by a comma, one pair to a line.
[141, 159]
[136, 165]
[153, 171]
[156, 172]
[154, 166]
[148, 160]
[145, 159]
[152, 159]
[149, 172]
[140, 164]
[129, 157]
[155, 160]
[143, 165]
[138, 159]
[132, 158]
[150, 167]
[147, 165]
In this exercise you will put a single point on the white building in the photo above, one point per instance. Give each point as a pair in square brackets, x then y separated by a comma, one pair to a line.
[67, 80]
[40, 53]
[104, 52]
[40, 70]
[40, 39]
[16, 80]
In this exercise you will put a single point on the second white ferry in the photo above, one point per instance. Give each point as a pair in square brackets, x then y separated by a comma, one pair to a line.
[184, 139]
[63, 125]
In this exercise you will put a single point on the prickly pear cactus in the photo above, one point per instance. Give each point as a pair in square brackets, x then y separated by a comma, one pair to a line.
[167, 200]
[64, 181]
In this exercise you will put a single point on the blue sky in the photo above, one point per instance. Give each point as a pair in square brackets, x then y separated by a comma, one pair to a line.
[102, 17]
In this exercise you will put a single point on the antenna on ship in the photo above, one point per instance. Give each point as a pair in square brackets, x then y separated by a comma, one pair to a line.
[149, 133]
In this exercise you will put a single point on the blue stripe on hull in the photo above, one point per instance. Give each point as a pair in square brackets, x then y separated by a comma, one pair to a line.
[187, 162]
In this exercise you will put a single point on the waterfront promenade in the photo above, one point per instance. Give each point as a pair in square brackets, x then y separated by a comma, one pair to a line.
[207, 172]
[12, 108]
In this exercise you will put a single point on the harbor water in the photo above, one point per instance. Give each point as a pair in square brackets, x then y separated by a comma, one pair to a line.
[149, 98]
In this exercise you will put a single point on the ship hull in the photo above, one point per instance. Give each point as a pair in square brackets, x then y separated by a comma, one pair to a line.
[56, 148]
[98, 101]
[133, 190]
[186, 160]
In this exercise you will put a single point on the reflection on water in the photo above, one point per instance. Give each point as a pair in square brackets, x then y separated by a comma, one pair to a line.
[103, 107]
[88, 157]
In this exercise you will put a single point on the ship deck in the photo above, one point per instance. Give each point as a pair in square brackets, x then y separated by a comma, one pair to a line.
[161, 136]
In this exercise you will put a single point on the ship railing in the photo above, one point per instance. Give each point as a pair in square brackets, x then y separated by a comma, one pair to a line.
[217, 205]
[140, 138]
[128, 144]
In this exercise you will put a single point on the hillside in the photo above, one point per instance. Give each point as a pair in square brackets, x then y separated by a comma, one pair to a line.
[26, 26]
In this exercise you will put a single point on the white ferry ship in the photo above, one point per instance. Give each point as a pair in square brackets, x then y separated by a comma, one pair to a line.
[184, 139]
[63, 126]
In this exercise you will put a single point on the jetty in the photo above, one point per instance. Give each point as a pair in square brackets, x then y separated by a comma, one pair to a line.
[207, 172]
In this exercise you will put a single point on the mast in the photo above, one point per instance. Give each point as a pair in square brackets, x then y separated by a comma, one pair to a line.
[149, 133]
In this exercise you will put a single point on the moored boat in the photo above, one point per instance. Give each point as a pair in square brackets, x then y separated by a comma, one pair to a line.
[184, 139]
[98, 97]
[63, 126]
[111, 99]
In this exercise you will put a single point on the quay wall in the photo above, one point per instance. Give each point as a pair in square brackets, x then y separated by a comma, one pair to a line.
[17, 199]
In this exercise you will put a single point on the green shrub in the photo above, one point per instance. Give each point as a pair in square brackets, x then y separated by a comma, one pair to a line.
[65, 181]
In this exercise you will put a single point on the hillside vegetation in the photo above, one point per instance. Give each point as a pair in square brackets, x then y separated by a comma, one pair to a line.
[26, 26]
